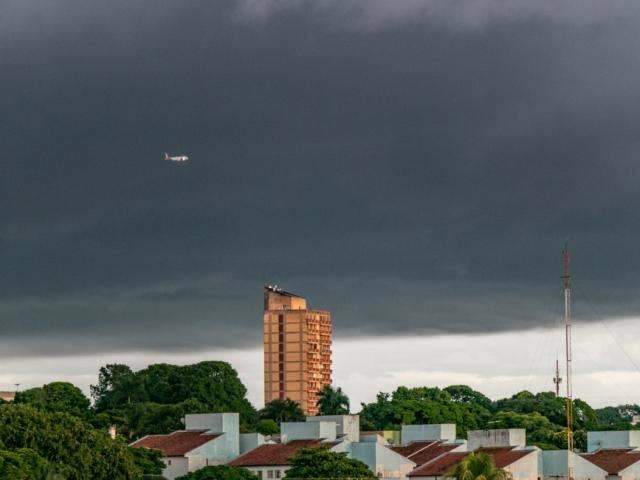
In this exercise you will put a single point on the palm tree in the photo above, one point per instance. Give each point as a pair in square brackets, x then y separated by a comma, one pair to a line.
[478, 466]
[333, 401]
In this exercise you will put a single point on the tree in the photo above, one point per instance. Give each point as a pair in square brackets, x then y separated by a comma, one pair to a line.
[478, 466]
[266, 426]
[282, 411]
[74, 449]
[117, 385]
[220, 472]
[333, 401]
[421, 405]
[148, 460]
[25, 464]
[56, 397]
[540, 431]
[323, 463]
[465, 394]
[215, 387]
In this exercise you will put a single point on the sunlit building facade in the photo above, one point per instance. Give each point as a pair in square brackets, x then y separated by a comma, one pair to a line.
[297, 349]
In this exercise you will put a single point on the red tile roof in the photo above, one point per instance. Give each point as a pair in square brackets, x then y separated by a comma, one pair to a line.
[440, 466]
[425, 450]
[275, 454]
[175, 444]
[613, 460]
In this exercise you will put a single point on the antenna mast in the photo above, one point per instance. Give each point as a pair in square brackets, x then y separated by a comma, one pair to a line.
[557, 379]
[566, 280]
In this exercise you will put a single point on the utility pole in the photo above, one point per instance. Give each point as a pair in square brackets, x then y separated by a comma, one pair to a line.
[557, 379]
[566, 281]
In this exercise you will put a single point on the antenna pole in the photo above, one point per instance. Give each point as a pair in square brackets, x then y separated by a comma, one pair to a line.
[566, 280]
[557, 379]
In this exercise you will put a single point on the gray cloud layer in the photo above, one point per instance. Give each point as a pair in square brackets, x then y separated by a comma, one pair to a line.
[409, 174]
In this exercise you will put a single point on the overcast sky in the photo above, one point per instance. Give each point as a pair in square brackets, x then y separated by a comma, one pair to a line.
[414, 166]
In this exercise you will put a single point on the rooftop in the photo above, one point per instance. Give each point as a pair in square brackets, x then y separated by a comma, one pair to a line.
[424, 451]
[613, 460]
[440, 466]
[275, 454]
[175, 444]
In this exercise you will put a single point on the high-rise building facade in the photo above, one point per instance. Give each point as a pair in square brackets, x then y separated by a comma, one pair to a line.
[297, 349]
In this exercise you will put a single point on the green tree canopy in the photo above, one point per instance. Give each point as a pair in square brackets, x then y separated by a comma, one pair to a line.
[267, 426]
[541, 432]
[333, 401]
[56, 397]
[206, 386]
[220, 472]
[73, 448]
[323, 463]
[478, 466]
[282, 411]
[25, 464]
[422, 405]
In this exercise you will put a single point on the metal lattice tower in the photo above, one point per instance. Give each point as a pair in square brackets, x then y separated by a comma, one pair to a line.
[566, 281]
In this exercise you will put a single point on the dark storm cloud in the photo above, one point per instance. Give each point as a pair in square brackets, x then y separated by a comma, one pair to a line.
[413, 169]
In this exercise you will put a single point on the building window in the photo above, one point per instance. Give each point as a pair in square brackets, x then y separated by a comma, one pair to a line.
[259, 473]
[278, 473]
[269, 473]
[168, 462]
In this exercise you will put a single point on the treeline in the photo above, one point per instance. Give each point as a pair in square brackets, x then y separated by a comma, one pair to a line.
[542, 414]
[58, 430]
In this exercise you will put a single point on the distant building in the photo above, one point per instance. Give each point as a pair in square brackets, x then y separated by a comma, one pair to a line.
[7, 396]
[297, 349]
[208, 439]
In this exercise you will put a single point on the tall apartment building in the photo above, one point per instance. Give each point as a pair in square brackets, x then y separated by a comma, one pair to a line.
[297, 349]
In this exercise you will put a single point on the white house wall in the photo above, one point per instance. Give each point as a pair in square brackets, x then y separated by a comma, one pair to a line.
[526, 468]
[175, 467]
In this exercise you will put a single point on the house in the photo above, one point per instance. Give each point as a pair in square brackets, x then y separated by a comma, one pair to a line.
[271, 461]
[382, 460]
[554, 466]
[208, 439]
[506, 447]
[423, 443]
[617, 463]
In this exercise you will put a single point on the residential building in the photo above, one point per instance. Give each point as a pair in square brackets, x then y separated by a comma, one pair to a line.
[423, 443]
[208, 439]
[297, 349]
[271, 461]
[554, 466]
[506, 447]
[383, 461]
[617, 463]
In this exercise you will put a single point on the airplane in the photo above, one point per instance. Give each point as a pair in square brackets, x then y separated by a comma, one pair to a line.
[178, 158]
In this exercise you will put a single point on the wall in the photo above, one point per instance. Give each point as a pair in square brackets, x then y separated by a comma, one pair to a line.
[276, 472]
[175, 467]
[227, 447]
[512, 437]
[554, 466]
[251, 441]
[382, 461]
[613, 439]
[527, 468]
[307, 431]
[442, 431]
[348, 425]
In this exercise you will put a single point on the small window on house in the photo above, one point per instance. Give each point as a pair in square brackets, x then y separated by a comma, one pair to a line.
[278, 473]
[259, 473]
[168, 462]
[269, 473]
